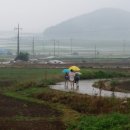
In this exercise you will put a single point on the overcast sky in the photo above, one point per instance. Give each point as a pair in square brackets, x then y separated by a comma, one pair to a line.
[37, 15]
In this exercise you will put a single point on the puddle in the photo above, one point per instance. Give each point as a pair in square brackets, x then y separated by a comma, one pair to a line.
[85, 87]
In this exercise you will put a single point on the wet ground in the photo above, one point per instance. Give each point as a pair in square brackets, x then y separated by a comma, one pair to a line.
[14, 115]
[86, 87]
[31, 125]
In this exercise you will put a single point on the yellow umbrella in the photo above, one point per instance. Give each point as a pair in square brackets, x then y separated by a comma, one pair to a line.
[74, 68]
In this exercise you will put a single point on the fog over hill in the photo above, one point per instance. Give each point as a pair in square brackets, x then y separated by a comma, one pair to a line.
[103, 24]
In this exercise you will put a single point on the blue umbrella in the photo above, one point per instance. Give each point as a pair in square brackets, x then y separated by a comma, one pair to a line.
[66, 70]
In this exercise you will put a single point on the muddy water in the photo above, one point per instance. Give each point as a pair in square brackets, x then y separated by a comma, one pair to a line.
[86, 87]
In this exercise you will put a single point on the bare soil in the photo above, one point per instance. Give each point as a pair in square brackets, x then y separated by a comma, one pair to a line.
[120, 86]
[10, 107]
[124, 85]
[31, 125]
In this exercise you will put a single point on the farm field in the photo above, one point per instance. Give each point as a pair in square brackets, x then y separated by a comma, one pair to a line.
[27, 102]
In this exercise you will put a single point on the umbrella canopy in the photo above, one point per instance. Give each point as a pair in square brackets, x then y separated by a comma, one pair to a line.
[66, 71]
[74, 68]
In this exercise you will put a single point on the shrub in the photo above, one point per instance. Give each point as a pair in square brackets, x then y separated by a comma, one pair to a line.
[99, 74]
[113, 121]
[22, 56]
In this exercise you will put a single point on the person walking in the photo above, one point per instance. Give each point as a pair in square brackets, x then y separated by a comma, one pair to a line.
[76, 80]
[71, 78]
[66, 79]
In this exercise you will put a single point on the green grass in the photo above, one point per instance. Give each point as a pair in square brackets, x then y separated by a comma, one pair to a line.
[21, 74]
[19, 78]
[101, 73]
[114, 121]
[34, 74]
[30, 82]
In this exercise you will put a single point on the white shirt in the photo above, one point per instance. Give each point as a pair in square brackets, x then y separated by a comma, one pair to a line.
[71, 76]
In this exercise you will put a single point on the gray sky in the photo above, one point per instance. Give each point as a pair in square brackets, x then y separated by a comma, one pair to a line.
[37, 15]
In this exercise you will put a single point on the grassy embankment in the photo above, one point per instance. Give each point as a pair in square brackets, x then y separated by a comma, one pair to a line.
[31, 85]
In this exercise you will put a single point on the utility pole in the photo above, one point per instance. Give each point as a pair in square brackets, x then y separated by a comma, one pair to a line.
[58, 48]
[71, 41]
[95, 51]
[54, 46]
[124, 47]
[33, 47]
[18, 49]
[43, 47]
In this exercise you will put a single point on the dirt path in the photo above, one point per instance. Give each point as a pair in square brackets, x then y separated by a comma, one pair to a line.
[86, 87]
[11, 108]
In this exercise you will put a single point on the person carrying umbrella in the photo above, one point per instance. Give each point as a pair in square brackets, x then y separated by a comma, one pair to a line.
[76, 75]
[66, 77]
[71, 78]
[76, 79]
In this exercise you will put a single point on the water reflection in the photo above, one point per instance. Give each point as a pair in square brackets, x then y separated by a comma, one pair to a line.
[73, 88]
[86, 87]
[113, 94]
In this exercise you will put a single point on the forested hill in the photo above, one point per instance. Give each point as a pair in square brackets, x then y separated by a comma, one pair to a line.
[103, 24]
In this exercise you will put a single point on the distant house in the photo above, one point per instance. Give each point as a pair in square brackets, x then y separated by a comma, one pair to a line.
[5, 52]
[55, 62]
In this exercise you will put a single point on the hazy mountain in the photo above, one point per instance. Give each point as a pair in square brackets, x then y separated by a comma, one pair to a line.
[103, 24]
